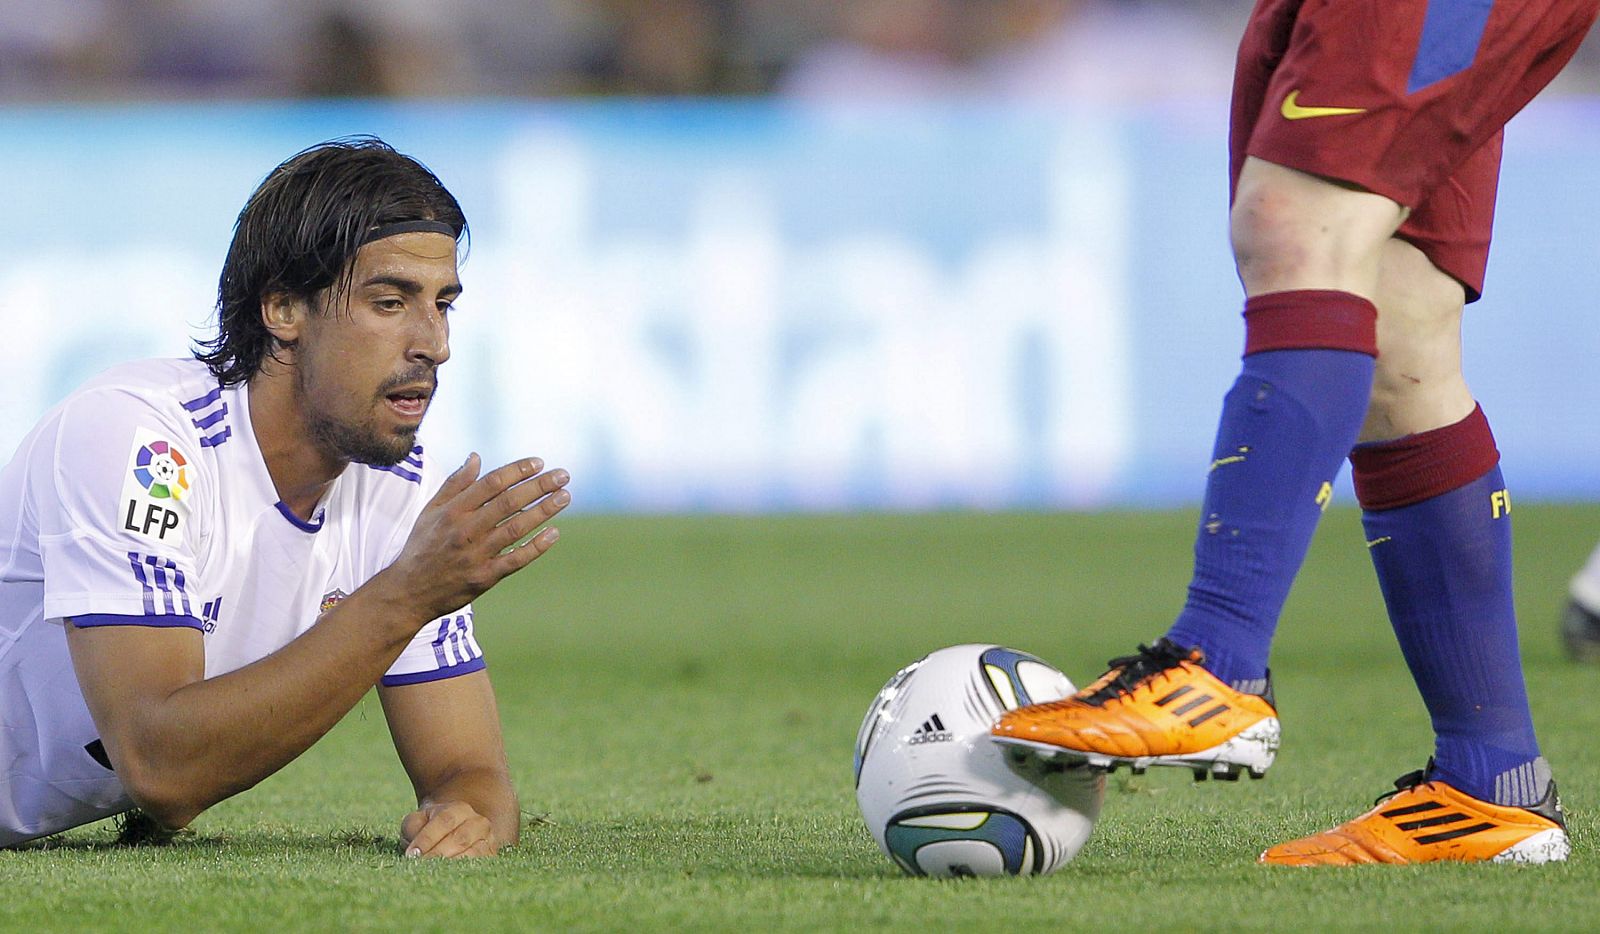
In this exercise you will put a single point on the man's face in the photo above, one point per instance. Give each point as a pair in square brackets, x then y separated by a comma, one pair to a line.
[365, 364]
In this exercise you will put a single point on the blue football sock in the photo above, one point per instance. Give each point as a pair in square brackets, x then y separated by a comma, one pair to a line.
[1286, 427]
[1444, 564]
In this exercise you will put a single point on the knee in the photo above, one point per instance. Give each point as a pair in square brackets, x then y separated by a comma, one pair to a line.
[1268, 235]
[1291, 230]
[1280, 243]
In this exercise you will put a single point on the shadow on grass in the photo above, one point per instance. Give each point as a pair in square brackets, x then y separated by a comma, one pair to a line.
[705, 846]
[702, 846]
[129, 830]
[136, 831]
[741, 848]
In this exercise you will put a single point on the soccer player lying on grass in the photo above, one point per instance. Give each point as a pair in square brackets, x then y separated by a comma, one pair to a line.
[205, 563]
[1365, 155]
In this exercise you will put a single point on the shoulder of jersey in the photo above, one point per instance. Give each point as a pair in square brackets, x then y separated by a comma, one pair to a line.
[176, 385]
[165, 374]
[174, 411]
[181, 393]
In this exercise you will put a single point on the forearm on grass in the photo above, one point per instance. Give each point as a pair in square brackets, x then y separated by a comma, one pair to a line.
[181, 745]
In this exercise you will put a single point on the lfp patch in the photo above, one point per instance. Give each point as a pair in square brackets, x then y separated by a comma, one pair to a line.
[157, 487]
[161, 469]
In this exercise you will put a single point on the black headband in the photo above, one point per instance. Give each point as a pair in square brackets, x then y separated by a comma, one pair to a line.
[400, 227]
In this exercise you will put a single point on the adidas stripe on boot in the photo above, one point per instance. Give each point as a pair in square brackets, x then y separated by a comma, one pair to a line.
[1159, 707]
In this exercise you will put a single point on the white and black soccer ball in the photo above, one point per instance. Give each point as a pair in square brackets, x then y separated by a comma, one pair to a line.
[941, 798]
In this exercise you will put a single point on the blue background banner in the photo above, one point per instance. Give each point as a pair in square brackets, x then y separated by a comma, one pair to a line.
[752, 306]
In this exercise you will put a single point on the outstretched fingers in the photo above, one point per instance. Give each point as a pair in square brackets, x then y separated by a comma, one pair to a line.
[458, 482]
[497, 482]
[509, 505]
[478, 529]
[521, 556]
[530, 495]
[522, 516]
[517, 491]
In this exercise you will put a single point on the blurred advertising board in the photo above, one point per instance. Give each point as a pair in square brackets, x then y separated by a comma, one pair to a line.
[750, 306]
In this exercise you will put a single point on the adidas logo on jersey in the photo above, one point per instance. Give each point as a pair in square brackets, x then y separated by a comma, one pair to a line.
[931, 731]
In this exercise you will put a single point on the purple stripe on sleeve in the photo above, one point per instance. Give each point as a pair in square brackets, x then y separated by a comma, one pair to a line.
[144, 582]
[437, 674]
[195, 405]
[447, 643]
[183, 591]
[216, 439]
[159, 566]
[211, 419]
[158, 622]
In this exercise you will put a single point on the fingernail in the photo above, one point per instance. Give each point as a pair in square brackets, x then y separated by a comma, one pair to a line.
[413, 853]
[561, 498]
[562, 477]
[552, 533]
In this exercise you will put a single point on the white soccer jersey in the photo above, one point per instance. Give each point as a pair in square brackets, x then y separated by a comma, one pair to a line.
[143, 500]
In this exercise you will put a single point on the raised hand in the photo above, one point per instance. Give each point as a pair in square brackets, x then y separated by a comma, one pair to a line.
[466, 539]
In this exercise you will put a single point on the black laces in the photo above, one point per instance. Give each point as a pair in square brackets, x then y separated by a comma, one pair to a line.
[1409, 781]
[1129, 671]
[1548, 807]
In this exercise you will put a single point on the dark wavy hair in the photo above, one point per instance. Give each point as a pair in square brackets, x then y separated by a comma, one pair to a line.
[300, 230]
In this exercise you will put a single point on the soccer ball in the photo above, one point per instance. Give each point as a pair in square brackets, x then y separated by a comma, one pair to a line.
[941, 798]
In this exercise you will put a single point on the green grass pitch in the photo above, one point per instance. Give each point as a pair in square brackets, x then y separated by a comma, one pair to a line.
[680, 698]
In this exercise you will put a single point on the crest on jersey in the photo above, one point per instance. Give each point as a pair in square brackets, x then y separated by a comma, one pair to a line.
[330, 600]
[156, 488]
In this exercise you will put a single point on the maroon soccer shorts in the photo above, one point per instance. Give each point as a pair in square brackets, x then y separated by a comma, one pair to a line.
[1405, 98]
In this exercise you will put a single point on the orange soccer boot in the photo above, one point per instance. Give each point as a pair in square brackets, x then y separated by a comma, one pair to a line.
[1159, 707]
[1426, 820]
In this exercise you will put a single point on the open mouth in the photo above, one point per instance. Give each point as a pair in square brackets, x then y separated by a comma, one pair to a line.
[409, 403]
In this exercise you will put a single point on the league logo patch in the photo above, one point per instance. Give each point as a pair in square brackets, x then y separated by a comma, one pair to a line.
[156, 489]
[159, 468]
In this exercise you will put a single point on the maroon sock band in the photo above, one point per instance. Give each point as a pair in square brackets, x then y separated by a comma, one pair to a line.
[1310, 319]
[1391, 474]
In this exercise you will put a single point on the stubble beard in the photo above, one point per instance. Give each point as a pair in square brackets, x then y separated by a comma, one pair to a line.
[358, 443]
[362, 444]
